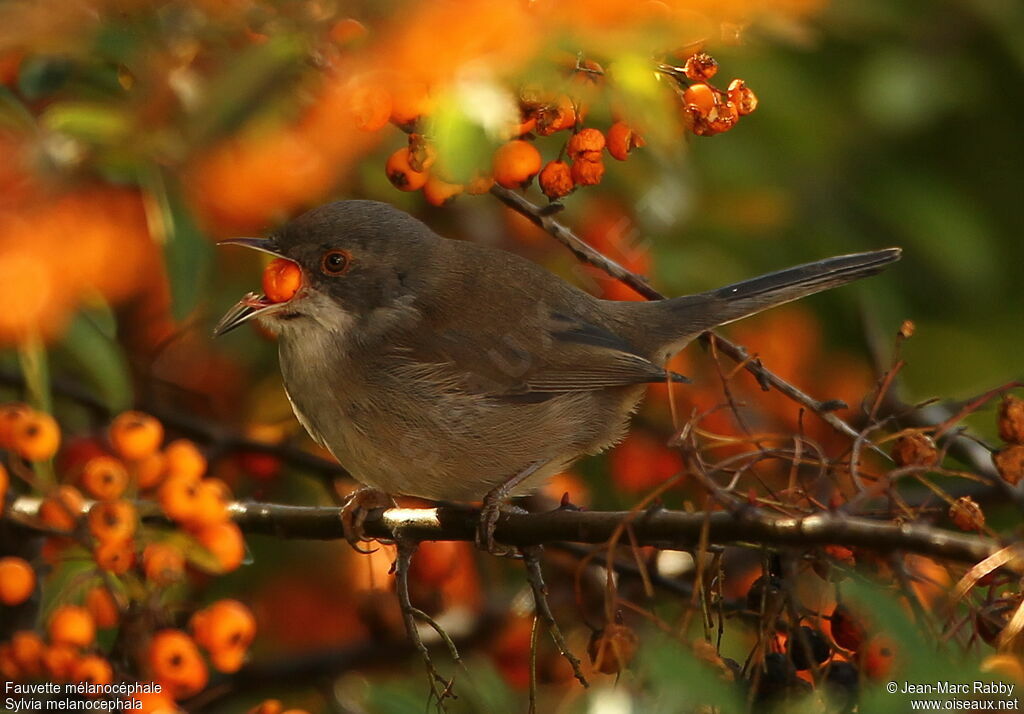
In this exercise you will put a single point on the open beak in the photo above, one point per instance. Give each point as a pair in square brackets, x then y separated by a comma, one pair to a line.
[252, 304]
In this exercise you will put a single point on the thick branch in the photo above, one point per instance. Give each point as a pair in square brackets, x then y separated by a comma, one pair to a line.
[543, 219]
[661, 528]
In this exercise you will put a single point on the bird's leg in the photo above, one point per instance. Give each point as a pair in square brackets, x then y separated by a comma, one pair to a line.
[493, 504]
[355, 510]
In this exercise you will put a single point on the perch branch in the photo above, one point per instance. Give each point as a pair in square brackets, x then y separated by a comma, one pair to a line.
[660, 528]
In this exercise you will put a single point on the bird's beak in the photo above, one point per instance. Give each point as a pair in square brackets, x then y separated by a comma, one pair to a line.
[252, 304]
[266, 245]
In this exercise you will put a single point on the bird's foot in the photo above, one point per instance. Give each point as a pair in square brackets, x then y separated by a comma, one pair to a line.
[355, 511]
[490, 512]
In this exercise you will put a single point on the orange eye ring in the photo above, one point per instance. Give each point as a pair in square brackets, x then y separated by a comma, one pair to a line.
[336, 262]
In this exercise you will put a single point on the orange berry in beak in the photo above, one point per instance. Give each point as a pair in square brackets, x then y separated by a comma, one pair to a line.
[281, 280]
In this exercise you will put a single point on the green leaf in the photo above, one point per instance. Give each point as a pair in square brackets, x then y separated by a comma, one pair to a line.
[90, 342]
[89, 121]
[243, 87]
[187, 253]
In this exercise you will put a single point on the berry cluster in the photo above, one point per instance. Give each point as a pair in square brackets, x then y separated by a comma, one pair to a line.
[93, 513]
[704, 109]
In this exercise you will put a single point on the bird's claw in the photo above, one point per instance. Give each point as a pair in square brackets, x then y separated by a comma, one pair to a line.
[490, 512]
[355, 511]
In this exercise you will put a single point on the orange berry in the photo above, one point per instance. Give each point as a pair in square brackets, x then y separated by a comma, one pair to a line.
[62, 508]
[115, 556]
[516, 163]
[724, 117]
[211, 504]
[586, 144]
[17, 580]
[613, 648]
[225, 542]
[346, 31]
[744, 98]
[1011, 420]
[174, 661]
[104, 478]
[9, 667]
[149, 471]
[135, 435]
[371, 107]
[966, 514]
[36, 437]
[409, 102]
[92, 669]
[163, 563]
[27, 650]
[878, 657]
[401, 174]
[700, 67]
[622, 140]
[915, 449]
[112, 520]
[479, 183]
[701, 96]
[587, 173]
[1009, 462]
[11, 414]
[5, 483]
[556, 117]
[178, 497]
[556, 180]
[184, 459]
[72, 625]
[59, 661]
[101, 605]
[282, 278]
[227, 628]
[438, 192]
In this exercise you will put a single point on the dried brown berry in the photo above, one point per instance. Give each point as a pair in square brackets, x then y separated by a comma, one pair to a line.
[906, 330]
[915, 449]
[701, 67]
[742, 96]
[966, 514]
[556, 180]
[1009, 463]
[1011, 420]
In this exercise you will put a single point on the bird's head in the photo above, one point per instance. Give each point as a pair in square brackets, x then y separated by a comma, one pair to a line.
[333, 266]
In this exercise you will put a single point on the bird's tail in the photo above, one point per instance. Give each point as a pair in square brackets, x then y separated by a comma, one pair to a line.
[688, 316]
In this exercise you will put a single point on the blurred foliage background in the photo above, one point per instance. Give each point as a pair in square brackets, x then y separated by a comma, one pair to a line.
[135, 134]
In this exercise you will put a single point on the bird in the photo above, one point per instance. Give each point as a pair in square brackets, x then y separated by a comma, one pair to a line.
[450, 370]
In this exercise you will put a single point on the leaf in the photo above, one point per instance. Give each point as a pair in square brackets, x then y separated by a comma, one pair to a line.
[90, 342]
[187, 253]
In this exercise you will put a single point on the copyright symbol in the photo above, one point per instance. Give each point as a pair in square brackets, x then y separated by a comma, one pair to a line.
[891, 687]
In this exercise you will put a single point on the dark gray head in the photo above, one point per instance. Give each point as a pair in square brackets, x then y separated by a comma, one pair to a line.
[354, 257]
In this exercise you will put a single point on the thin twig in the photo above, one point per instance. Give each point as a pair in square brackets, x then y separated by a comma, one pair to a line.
[409, 615]
[535, 577]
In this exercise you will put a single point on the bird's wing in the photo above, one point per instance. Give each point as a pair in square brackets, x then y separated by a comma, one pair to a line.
[561, 354]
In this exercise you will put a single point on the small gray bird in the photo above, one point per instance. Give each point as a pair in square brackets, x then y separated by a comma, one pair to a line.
[453, 371]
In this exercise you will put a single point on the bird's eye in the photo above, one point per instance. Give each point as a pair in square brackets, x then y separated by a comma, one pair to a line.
[335, 262]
